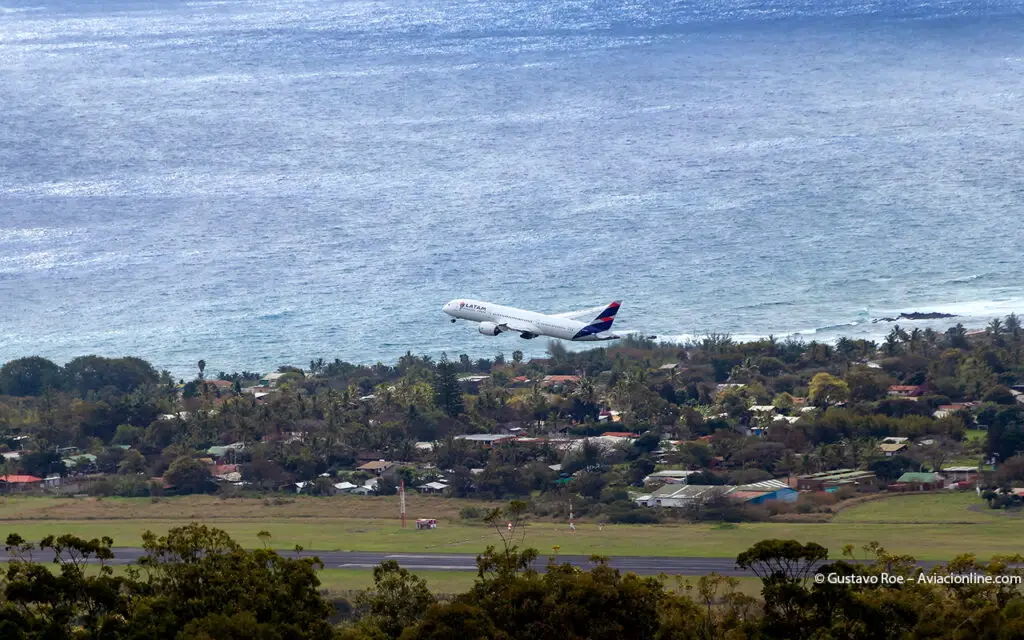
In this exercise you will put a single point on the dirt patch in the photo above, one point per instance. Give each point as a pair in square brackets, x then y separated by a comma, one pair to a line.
[213, 508]
[1006, 513]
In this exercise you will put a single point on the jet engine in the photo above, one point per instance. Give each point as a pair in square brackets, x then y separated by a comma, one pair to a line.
[488, 329]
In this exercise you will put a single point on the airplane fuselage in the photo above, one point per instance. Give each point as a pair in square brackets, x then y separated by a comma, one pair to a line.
[496, 318]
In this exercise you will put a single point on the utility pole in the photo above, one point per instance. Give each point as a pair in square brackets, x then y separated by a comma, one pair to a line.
[401, 498]
[572, 524]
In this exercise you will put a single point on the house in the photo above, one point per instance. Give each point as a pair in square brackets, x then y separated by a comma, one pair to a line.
[11, 455]
[228, 450]
[668, 476]
[613, 416]
[669, 367]
[378, 467]
[619, 434]
[551, 381]
[946, 410]
[691, 496]
[953, 475]
[18, 482]
[272, 379]
[762, 408]
[486, 440]
[80, 462]
[912, 481]
[683, 496]
[471, 383]
[432, 487]
[761, 492]
[222, 385]
[832, 480]
[905, 390]
[721, 388]
[344, 487]
[892, 445]
[226, 472]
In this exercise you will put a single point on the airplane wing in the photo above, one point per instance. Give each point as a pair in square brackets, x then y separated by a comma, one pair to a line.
[584, 315]
[521, 327]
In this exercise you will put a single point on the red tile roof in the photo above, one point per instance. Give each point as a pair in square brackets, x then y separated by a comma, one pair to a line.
[13, 479]
[619, 434]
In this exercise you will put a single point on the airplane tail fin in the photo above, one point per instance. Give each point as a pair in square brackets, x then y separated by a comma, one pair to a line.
[603, 321]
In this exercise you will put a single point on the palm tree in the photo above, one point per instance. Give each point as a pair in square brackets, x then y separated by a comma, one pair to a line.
[914, 340]
[957, 336]
[994, 331]
[1012, 326]
[931, 338]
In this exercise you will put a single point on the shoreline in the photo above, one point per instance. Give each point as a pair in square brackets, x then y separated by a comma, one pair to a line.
[874, 329]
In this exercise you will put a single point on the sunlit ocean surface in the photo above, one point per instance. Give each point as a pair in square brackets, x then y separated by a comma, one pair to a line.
[260, 183]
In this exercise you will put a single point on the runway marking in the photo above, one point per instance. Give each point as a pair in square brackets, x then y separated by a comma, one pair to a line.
[434, 556]
[419, 567]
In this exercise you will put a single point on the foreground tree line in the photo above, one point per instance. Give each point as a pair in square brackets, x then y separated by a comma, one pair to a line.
[147, 431]
[197, 583]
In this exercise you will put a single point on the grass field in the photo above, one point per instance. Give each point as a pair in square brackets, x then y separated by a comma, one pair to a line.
[978, 435]
[951, 507]
[928, 526]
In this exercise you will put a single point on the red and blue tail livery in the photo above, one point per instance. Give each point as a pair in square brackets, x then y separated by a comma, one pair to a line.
[602, 323]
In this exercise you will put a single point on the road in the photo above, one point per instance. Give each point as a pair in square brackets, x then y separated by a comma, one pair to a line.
[640, 565]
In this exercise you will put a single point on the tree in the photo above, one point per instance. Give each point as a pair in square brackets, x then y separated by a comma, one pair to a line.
[1000, 394]
[784, 567]
[202, 368]
[398, 600]
[198, 583]
[447, 389]
[132, 463]
[454, 620]
[42, 463]
[868, 384]
[188, 475]
[975, 377]
[517, 357]
[826, 389]
[29, 377]
[92, 373]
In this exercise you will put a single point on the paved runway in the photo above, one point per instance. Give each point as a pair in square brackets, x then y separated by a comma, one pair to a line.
[641, 565]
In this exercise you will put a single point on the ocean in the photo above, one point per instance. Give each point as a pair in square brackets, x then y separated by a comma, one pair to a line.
[259, 183]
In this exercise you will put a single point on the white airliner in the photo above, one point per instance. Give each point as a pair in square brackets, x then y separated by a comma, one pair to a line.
[586, 325]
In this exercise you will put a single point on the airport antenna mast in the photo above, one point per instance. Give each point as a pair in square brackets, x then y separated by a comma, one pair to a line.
[401, 498]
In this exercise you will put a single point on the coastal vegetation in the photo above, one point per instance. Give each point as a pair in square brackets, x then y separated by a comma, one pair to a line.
[588, 427]
[197, 582]
[261, 459]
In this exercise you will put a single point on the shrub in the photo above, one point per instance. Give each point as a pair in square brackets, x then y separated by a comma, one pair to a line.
[471, 513]
[628, 513]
